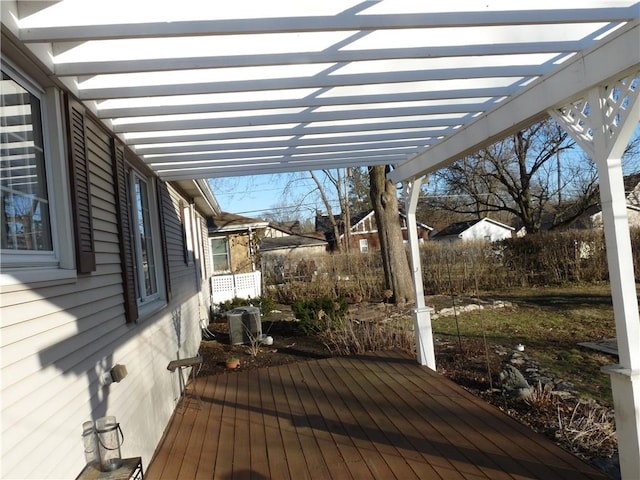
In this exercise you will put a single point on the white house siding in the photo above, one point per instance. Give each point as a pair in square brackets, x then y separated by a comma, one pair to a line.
[633, 214]
[57, 339]
[486, 230]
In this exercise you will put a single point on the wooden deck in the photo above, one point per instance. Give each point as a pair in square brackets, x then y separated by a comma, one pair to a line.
[374, 416]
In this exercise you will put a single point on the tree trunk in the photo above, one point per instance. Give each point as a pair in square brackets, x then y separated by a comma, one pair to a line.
[334, 225]
[394, 257]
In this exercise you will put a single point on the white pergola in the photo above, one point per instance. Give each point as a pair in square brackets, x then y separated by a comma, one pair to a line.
[202, 89]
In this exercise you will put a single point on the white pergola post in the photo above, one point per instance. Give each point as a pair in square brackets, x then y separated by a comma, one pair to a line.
[422, 313]
[602, 122]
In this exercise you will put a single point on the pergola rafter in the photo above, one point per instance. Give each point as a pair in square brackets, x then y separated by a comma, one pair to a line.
[205, 89]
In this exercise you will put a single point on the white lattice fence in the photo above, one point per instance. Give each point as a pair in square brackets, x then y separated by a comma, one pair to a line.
[242, 285]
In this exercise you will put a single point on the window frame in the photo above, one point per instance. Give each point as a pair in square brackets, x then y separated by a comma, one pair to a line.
[228, 255]
[146, 302]
[364, 245]
[19, 268]
[188, 226]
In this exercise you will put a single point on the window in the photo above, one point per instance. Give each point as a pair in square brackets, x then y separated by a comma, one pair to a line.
[26, 221]
[187, 226]
[144, 244]
[364, 245]
[220, 255]
[35, 230]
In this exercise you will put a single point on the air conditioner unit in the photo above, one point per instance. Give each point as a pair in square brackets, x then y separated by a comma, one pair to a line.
[245, 325]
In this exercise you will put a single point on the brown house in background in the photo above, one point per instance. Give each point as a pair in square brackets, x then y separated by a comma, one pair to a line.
[363, 232]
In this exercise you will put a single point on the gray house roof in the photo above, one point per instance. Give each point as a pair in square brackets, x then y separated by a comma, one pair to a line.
[291, 241]
[231, 222]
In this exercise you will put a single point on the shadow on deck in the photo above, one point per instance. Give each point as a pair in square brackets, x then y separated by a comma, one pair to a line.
[371, 416]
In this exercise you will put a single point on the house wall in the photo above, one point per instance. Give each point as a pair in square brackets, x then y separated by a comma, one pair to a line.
[59, 337]
[423, 234]
[372, 239]
[632, 215]
[240, 253]
[486, 231]
[291, 263]
[271, 232]
[368, 229]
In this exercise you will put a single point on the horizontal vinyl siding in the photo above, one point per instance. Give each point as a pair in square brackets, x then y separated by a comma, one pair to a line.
[56, 341]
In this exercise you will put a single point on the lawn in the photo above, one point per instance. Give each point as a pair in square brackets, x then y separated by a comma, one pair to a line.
[549, 322]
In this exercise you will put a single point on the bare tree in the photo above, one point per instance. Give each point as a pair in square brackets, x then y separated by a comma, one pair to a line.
[384, 198]
[520, 176]
[325, 199]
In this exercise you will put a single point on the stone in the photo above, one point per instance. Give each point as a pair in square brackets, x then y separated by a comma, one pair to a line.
[514, 383]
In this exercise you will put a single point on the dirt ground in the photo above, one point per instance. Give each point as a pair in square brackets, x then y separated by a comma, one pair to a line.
[289, 345]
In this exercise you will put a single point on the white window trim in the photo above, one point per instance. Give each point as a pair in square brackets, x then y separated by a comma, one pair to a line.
[187, 213]
[364, 245]
[213, 270]
[147, 305]
[22, 270]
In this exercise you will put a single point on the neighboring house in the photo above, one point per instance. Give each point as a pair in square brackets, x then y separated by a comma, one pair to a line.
[593, 217]
[285, 254]
[102, 263]
[282, 229]
[363, 234]
[479, 229]
[633, 213]
[233, 241]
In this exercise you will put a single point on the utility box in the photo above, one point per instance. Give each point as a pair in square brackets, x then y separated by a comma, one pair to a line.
[245, 325]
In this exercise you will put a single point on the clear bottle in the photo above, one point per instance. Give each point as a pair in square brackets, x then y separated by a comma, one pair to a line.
[90, 442]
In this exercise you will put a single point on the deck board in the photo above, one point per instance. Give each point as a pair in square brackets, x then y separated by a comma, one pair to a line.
[212, 396]
[379, 416]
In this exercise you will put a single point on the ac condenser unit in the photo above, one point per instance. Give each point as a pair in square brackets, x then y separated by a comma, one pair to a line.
[245, 325]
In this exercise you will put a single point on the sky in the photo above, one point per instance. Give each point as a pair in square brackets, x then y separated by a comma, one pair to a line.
[260, 195]
[255, 196]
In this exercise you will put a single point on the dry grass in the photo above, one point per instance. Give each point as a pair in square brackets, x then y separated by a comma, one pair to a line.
[355, 336]
[589, 427]
[541, 396]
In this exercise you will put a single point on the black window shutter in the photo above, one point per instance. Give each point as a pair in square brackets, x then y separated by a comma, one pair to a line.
[185, 247]
[80, 186]
[124, 232]
[164, 204]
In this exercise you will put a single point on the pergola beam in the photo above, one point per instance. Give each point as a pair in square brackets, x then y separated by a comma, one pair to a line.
[266, 167]
[298, 58]
[304, 117]
[340, 22]
[617, 53]
[297, 130]
[200, 106]
[318, 145]
[314, 81]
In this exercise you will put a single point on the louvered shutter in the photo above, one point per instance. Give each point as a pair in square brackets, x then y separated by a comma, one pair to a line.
[164, 204]
[80, 186]
[124, 232]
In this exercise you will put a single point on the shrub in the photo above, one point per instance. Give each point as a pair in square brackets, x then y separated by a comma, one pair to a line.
[264, 302]
[356, 337]
[320, 313]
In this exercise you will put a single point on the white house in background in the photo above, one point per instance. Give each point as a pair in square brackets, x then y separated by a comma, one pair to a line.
[633, 214]
[632, 189]
[102, 263]
[480, 229]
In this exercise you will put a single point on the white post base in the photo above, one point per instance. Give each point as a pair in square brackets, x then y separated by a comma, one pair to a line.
[424, 336]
